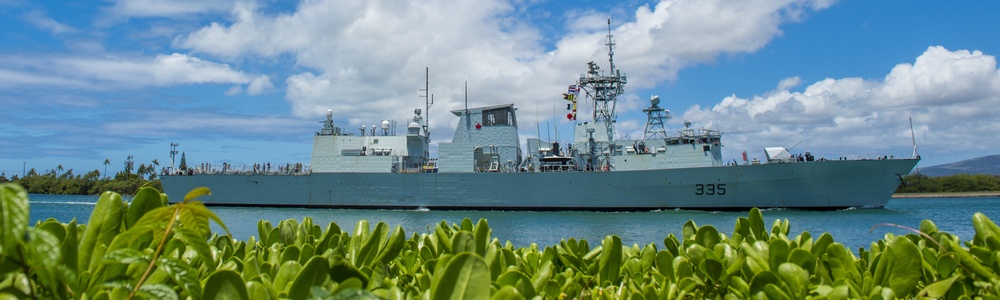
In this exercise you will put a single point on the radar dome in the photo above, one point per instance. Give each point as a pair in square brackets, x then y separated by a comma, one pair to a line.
[413, 128]
[385, 124]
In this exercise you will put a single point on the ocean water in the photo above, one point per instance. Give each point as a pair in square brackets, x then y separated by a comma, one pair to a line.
[851, 227]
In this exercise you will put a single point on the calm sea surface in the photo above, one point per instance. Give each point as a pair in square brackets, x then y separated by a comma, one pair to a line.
[849, 227]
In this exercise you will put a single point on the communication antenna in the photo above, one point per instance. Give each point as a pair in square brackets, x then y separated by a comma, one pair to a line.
[173, 153]
[428, 100]
[913, 137]
[611, 47]
[915, 155]
[468, 118]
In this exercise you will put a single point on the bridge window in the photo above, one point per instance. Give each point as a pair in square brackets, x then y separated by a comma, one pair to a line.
[503, 116]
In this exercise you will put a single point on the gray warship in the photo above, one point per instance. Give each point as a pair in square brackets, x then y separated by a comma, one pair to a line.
[484, 167]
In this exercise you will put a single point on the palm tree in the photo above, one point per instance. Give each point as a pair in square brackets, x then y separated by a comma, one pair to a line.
[106, 163]
[59, 169]
[152, 169]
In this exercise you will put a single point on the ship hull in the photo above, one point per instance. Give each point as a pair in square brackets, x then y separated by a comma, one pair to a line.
[808, 185]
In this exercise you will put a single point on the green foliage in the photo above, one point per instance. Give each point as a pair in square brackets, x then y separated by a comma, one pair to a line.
[149, 250]
[949, 184]
[91, 183]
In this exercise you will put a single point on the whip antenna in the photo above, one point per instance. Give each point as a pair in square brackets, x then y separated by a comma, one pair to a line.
[914, 139]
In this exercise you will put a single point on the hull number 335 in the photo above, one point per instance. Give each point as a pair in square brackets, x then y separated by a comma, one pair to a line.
[710, 189]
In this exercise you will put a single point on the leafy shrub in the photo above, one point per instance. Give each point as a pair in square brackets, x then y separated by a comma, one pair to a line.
[148, 249]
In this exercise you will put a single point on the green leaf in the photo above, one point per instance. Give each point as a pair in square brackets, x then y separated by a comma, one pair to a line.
[796, 278]
[201, 215]
[517, 280]
[465, 277]
[145, 200]
[182, 274]
[44, 257]
[370, 244]
[712, 268]
[928, 227]
[195, 241]
[508, 293]
[158, 291]
[938, 289]
[757, 224]
[774, 292]
[263, 229]
[905, 273]
[69, 247]
[841, 263]
[463, 241]
[286, 273]
[819, 248]
[342, 271]
[707, 236]
[126, 256]
[314, 273]
[102, 228]
[762, 279]
[689, 230]
[778, 250]
[393, 246]
[13, 218]
[611, 260]
[482, 232]
[985, 228]
[225, 284]
[665, 264]
[258, 291]
[802, 258]
[197, 192]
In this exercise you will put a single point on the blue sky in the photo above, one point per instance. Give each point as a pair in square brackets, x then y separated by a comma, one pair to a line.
[247, 82]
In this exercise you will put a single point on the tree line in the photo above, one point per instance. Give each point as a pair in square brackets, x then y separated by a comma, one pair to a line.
[949, 184]
[58, 181]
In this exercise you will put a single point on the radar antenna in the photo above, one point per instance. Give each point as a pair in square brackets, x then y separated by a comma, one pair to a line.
[656, 115]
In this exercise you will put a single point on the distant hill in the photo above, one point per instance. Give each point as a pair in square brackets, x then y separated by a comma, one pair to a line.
[989, 165]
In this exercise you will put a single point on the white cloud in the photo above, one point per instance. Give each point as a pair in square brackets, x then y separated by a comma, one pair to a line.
[259, 85]
[940, 76]
[234, 90]
[366, 59]
[40, 20]
[165, 123]
[172, 8]
[857, 116]
[114, 72]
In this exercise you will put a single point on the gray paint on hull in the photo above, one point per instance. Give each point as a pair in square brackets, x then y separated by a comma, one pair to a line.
[812, 185]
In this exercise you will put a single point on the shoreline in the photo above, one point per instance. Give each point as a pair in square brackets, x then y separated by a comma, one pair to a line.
[946, 195]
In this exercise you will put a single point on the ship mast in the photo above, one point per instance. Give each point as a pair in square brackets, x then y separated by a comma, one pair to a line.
[604, 89]
[428, 101]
